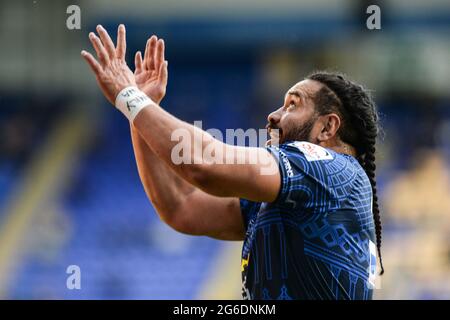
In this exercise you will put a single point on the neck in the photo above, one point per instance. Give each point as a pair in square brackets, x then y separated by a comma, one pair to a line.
[345, 148]
[342, 147]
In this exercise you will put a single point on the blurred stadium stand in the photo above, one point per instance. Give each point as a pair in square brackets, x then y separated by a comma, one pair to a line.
[69, 188]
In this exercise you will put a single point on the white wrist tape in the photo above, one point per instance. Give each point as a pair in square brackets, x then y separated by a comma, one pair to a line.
[130, 101]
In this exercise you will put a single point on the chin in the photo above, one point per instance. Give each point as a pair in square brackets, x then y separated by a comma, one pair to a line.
[274, 142]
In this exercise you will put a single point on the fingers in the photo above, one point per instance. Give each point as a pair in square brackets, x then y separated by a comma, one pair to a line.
[159, 54]
[104, 46]
[149, 61]
[95, 66]
[99, 48]
[107, 42]
[154, 54]
[138, 62]
[163, 73]
[121, 42]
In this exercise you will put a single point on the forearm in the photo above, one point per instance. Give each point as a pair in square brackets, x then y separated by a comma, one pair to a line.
[156, 127]
[182, 147]
[232, 172]
[164, 188]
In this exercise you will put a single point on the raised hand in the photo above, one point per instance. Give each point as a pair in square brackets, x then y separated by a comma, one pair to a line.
[111, 70]
[151, 72]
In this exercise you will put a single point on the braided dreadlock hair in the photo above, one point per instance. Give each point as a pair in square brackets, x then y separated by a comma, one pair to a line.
[359, 126]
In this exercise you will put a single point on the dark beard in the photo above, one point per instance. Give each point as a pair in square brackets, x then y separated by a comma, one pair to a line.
[299, 133]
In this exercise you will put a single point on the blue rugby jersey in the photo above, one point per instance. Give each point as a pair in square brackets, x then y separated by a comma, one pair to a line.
[316, 240]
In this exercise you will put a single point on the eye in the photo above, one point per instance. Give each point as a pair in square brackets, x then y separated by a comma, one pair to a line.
[291, 105]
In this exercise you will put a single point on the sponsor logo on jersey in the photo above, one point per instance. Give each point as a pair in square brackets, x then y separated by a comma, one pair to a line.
[312, 152]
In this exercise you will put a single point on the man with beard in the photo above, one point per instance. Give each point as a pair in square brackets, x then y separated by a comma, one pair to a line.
[306, 209]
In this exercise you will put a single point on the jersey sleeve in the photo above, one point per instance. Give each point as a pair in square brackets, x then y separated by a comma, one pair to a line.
[299, 164]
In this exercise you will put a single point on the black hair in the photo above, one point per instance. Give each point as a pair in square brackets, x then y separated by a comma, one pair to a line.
[359, 126]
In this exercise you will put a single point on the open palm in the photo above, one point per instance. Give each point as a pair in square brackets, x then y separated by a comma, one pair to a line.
[151, 72]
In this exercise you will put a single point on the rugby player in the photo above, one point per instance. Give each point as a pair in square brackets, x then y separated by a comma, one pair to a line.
[306, 209]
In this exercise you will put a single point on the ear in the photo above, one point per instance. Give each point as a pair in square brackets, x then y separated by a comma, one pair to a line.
[330, 126]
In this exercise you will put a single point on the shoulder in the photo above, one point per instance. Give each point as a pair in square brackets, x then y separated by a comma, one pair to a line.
[312, 159]
[310, 151]
[302, 150]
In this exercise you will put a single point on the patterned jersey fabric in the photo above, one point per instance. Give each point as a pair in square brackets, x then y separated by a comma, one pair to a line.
[316, 240]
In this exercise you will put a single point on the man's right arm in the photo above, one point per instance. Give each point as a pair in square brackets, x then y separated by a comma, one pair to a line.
[182, 206]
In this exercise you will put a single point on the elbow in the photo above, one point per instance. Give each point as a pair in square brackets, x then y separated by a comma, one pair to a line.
[179, 225]
[178, 222]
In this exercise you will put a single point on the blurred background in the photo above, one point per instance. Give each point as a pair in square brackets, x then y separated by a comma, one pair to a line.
[69, 189]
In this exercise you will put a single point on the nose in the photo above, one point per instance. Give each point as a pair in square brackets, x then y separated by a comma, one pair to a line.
[274, 117]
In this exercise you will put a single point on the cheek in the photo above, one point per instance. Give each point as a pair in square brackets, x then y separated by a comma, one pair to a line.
[289, 120]
[315, 131]
[292, 120]
[283, 120]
